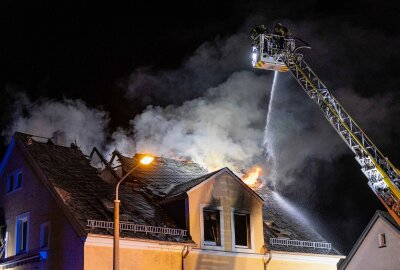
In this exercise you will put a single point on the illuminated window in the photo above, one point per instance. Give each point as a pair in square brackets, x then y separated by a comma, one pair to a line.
[6, 237]
[44, 235]
[212, 227]
[21, 233]
[241, 223]
[382, 240]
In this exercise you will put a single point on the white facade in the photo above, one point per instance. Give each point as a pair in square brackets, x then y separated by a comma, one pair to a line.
[378, 248]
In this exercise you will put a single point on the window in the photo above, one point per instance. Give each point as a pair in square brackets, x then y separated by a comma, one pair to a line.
[21, 233]
[14, 181]
[6, 237]
[44, 235]
[241, 223]
[6, 245]
[18, 180]
[10, 183]
[382, 240]
[212, 227]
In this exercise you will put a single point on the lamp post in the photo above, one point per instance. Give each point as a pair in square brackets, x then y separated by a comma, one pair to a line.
[145, 161]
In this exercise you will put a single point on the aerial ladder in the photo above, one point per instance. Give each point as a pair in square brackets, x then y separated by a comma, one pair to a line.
[279, 51]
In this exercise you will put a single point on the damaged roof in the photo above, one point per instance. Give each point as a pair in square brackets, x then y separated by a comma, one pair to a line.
[69, 174]
[163, 175]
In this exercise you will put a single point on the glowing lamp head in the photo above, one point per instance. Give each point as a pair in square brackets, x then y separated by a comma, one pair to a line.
[146, 160]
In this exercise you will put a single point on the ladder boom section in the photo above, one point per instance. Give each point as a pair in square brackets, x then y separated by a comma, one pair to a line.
[383, 177]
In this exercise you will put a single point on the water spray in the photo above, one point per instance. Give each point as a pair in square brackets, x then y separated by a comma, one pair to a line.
[267, 142]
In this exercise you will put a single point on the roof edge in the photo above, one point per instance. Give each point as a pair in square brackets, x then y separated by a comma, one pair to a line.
[42, 176]
[226, 169]
[6, 157]
[360, 240]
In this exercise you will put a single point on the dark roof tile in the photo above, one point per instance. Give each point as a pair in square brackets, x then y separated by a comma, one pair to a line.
[280, 222]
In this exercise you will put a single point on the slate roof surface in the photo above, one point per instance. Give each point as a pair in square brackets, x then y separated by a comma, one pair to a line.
[186, 186]
[281, 221]
[162, 175]
[87, 196]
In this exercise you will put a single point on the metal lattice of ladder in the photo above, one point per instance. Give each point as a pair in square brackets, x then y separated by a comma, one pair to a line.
[377, 168]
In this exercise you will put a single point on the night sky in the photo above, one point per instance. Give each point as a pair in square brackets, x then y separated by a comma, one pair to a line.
[93, 52]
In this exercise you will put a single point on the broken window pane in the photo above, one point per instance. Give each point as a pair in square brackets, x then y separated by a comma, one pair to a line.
[242, 230]
[212, 232]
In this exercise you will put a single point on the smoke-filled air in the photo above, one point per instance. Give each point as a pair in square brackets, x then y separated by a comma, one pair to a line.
[213, 111]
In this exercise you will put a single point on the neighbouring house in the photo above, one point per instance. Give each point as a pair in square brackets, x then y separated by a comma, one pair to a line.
[378, 247]
[57, 213]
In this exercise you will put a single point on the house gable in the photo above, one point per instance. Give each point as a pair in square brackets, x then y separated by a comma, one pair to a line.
[234, 178]
[33, 203]
[225, 193]
[368, 253]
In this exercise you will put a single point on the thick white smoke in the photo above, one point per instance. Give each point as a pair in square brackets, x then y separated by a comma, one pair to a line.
[79, 122]
[217, 117]
[224, 126]
[217, 130]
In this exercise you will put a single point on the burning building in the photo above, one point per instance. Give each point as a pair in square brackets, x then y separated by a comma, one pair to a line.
[58, 214]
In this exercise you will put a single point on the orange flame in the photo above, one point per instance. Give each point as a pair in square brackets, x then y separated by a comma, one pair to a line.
[250, 178]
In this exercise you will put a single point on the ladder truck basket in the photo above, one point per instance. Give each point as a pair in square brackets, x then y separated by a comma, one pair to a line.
[269, 52]
[279, 53]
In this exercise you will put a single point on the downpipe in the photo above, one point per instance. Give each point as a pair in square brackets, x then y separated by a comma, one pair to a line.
[185, 252]
[267, 257]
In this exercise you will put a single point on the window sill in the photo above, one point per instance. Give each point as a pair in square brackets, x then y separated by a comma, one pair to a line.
[13, 191]
[243, 249]
[211, 247]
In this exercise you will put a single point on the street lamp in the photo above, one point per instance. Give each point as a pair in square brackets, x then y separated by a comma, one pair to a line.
[145, 161]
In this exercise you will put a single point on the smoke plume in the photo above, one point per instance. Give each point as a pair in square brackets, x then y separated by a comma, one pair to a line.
[87, 126]
[217, 130]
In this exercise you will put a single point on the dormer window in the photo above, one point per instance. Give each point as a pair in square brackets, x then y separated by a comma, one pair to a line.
[212, 224]
[212, 228]
[14, 181]
[241, 223]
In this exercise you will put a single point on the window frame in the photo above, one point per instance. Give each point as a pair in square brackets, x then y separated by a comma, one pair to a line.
[206, 244]
[42, 230]
[382, 241]
[17, 173]
[21, 217]
[6, 239]
[10, 184]
[250, 248]
[14, 174]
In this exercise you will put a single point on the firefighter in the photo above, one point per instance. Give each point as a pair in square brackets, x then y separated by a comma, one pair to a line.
[256, 31]
[280, 32]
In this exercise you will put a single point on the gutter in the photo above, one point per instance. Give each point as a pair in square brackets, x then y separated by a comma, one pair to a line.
[92, 236]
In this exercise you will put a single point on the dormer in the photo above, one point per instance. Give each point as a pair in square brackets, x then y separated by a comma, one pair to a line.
[223, 213]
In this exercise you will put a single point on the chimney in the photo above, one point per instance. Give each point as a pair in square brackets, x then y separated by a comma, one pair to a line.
[59, 138]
